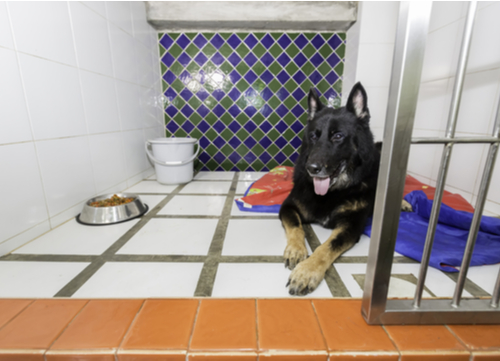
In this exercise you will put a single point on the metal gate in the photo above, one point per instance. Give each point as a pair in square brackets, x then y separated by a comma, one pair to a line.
[407, 68]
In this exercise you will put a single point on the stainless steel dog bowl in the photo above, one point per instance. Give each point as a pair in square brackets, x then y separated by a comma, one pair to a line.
[101, 216]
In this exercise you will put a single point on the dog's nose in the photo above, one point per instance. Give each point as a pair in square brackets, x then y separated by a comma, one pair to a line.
[314, 168]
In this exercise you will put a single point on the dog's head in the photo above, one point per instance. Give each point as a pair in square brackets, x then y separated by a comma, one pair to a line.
[338, 144]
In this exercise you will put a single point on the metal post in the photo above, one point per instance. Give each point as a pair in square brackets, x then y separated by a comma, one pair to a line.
[445, 160]
[496, 293]
[476, 219]
[405, 82]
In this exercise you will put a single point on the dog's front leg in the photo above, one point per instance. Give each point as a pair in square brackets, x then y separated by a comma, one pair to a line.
[306, 277]
[295, 250]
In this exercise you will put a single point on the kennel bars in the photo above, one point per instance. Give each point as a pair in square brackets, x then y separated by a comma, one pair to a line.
[405, 81]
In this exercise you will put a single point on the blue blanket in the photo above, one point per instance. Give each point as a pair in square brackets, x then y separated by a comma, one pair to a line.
[451, 235]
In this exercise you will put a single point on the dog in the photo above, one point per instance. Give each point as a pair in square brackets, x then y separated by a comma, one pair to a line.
[335, 179]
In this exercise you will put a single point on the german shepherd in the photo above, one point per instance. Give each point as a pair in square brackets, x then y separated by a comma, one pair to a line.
[335, 178]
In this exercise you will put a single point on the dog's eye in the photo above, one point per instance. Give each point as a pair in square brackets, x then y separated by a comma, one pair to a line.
[313, 136]
[338, 136]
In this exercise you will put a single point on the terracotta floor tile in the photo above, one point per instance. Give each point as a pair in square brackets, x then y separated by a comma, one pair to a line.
[162, 324]
[345, 329]
[288, 325]
[486, 356]
[79, 356]
[222, 356]
[151, 356]
[478, 337]
[225, 324]
[364, 356]
[423, 338]
[435, 356]
[273, 356]
[22, 355]
[10, 308]
[101, 324]
[37, 326]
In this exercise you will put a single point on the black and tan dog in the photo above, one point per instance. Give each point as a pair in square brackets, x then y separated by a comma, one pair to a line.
[334, 185]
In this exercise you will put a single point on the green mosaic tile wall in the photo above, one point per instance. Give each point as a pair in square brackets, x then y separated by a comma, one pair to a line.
[244, 94]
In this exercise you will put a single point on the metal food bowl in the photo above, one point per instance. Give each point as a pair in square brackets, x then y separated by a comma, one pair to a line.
[101, 216]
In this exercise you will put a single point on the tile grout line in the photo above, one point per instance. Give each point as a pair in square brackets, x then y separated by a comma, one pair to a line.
[80, 279]
[129, 328]
[459, 340]
[320, 327]
[393, 342]
[17, 314]
[208, 273]
[192, 329]
[65, 328]
[332, 278]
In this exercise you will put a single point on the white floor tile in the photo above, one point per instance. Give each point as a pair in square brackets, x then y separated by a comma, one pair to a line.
[36, 279]
[254, 237]
[257, 280]
[242, 187]
[75, 238]
[151, 187]
[214, 176]
[151, 201]
[207, 188]
[484, 276]
[172, 237]
[437, 282]
[235, 211]
[194, 205]
[137, 280]
[360, 249]
[253, 176]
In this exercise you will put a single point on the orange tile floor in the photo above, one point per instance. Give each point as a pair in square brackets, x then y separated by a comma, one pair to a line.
[225, 329]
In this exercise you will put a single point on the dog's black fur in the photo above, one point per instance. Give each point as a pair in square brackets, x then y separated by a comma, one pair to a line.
[338, 145]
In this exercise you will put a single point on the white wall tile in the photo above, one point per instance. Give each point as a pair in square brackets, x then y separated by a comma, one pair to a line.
[441, 52]
[124, 57]
[483, 53]
[92, 40]
[144, 64]
[54, 98]
[377, 104]
[375, 64]
[98, 6]
[14, 124]
[100, 101]
[478, 103]
[444, 13]
[108, 162]
[67, 173]
[379, 21]
[119, 13]
[5, 31]
[141, 27]
[135, 155]
[466, 164]
[52, 39]
[433, 105]
[24, 237]
[22, 192]
[128, 105]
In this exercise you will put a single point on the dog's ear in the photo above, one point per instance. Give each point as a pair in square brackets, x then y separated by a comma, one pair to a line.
[357, 102]
[314, 103]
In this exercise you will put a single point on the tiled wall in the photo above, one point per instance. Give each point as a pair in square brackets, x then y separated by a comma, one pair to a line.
[244, 95]
[480, 97]
[77, 90]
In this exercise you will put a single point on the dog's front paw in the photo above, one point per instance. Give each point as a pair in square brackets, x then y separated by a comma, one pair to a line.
[305, 278]
[294, 254]
[406, 207]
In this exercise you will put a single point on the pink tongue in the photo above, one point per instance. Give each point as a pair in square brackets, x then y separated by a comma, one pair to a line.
[321, 185]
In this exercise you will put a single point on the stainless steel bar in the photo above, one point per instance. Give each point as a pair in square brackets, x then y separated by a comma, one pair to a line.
[447, 151]
[464, 140]
[408, 58]
[476, 219]
[495, 296]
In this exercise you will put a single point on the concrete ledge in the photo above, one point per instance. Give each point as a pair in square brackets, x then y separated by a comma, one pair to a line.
[252, 15]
